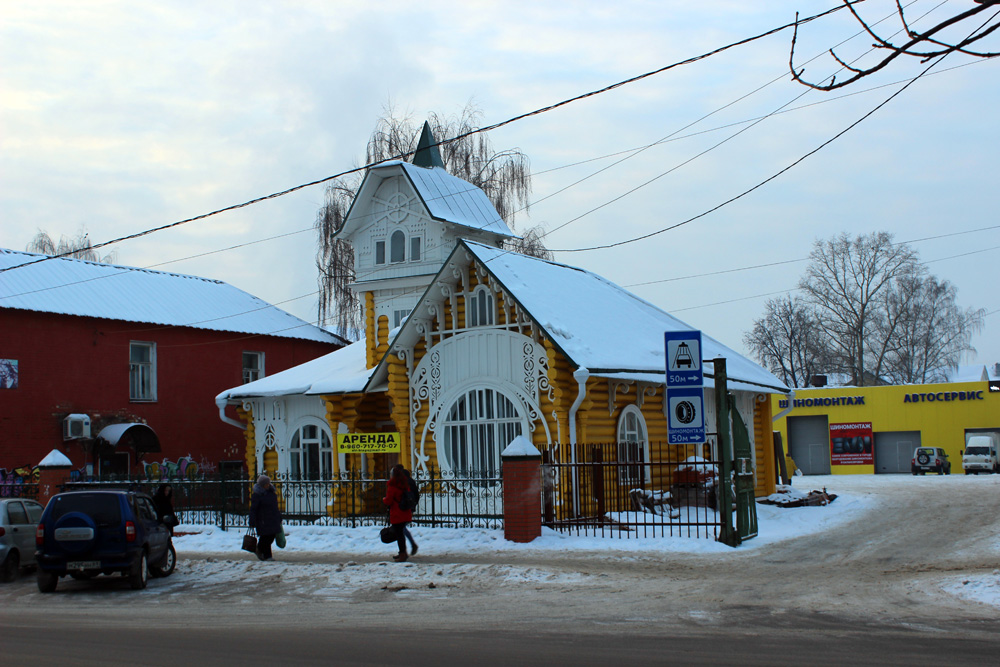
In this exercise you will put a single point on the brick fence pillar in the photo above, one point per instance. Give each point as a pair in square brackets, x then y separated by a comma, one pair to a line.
[522, 492]
[53, 471]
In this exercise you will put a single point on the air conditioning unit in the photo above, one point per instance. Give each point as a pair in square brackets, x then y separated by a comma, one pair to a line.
[76, 426]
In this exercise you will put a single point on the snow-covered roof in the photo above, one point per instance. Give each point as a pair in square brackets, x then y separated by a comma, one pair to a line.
[446, 197]
[341, 371]
[456, 200]
[973, 373]
[602, 327]
[69, 286]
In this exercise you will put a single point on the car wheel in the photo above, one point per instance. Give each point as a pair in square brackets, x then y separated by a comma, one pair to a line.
[47, 581]
[166, 568]
[138, 574]
[10, 567]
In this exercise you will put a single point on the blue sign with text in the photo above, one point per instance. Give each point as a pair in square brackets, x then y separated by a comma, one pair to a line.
[685, 393]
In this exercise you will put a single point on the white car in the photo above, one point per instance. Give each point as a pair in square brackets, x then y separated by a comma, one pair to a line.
[18, 520]
[930, 459]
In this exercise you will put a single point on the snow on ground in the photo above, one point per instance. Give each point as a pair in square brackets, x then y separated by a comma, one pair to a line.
[856, 495]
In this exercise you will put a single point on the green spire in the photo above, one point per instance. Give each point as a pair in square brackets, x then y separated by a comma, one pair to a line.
[427, 154]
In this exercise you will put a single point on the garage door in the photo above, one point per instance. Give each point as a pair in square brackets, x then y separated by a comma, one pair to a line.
[894, 451]
[809, 444]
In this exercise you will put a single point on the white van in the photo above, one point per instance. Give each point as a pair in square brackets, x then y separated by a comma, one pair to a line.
[982, 454]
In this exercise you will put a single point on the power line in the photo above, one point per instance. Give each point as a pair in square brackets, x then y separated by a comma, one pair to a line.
[758, 185]
[488, 128]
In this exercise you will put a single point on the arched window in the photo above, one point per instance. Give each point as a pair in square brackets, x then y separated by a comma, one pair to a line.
[478, 426]
[480, 309]
[311, 453]
[397, 247]
[633, 447]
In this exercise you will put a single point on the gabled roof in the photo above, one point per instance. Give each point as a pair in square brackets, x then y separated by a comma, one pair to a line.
[447, 198]
[69, 286]
[598, 325]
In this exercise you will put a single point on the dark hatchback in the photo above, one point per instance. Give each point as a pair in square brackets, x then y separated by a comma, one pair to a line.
[86, 533]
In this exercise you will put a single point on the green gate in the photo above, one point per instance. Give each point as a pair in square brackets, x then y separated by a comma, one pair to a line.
[735, 463]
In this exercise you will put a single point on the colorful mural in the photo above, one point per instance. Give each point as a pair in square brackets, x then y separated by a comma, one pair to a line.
[183, 468]
[10, 479]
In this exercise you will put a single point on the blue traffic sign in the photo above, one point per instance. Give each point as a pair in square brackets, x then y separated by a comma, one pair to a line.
[683, 350]
[685, 382]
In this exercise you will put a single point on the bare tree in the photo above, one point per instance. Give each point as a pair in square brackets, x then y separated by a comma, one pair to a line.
[504, 176]
[788, 341]
[932, 332]
[846, 282]
[924, 45]
[78, 247]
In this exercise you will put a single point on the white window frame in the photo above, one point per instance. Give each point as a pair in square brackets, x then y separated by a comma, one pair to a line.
[253, 374]
[401, 247]
[476, 427]
[142, 374]
[416, 251]
[306, 450]
[399, 315]
[633, 438]
[380, 252]
[480, 311]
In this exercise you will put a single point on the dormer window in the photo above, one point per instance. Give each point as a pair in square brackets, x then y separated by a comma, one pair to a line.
[380, 252]
[480, 309]
[415, 249]
[397, 247]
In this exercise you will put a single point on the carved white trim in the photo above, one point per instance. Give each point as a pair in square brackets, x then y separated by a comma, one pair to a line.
[613, 387]
[506, 361]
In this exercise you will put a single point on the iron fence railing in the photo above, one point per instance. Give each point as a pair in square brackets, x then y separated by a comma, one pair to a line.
[465, 499]
[631, 490]
[19, 490]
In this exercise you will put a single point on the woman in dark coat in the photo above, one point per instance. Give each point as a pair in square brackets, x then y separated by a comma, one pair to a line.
[163, 501]
[399, 483]
[265, 516]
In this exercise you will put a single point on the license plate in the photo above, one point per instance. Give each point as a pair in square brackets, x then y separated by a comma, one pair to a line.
[84, 565]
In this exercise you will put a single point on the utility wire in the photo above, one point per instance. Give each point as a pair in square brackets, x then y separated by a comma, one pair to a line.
[488, 128]
[758, 185]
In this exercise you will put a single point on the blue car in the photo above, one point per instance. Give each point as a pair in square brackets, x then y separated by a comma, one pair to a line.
[86, 533]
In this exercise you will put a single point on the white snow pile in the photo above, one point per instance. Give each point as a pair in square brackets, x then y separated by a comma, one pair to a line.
[345, 559]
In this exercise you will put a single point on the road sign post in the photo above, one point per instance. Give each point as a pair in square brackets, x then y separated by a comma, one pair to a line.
[685, 395]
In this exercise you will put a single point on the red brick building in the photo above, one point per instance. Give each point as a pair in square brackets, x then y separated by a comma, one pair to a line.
[86, 346]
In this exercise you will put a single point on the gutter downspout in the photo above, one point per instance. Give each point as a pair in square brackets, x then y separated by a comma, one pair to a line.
[580, 375]
[222, 403]
[791, 405]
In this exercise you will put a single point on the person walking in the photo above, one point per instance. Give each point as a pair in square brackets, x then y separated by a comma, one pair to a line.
[163, 501]
[265, 516]
[399, 484]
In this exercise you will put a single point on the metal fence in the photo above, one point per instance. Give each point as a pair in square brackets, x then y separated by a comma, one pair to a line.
[19, 490]
[450, 499]
[629, 490]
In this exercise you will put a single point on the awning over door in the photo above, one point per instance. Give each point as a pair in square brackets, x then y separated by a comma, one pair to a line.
[140, 437]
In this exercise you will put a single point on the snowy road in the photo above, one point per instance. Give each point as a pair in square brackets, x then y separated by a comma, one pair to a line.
[915, 557]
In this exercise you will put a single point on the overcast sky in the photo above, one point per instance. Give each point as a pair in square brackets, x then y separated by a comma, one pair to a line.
[117, 117]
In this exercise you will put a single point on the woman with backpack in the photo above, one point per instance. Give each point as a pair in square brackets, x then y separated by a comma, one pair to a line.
[398, 488]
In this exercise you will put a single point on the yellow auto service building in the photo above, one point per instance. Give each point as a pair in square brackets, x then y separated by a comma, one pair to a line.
[851, 430]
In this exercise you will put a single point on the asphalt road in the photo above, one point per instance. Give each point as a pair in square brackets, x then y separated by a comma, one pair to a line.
[59, 640]
[863, 593]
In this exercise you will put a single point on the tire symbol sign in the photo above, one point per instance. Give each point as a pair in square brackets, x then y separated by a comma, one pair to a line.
[685, 412]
